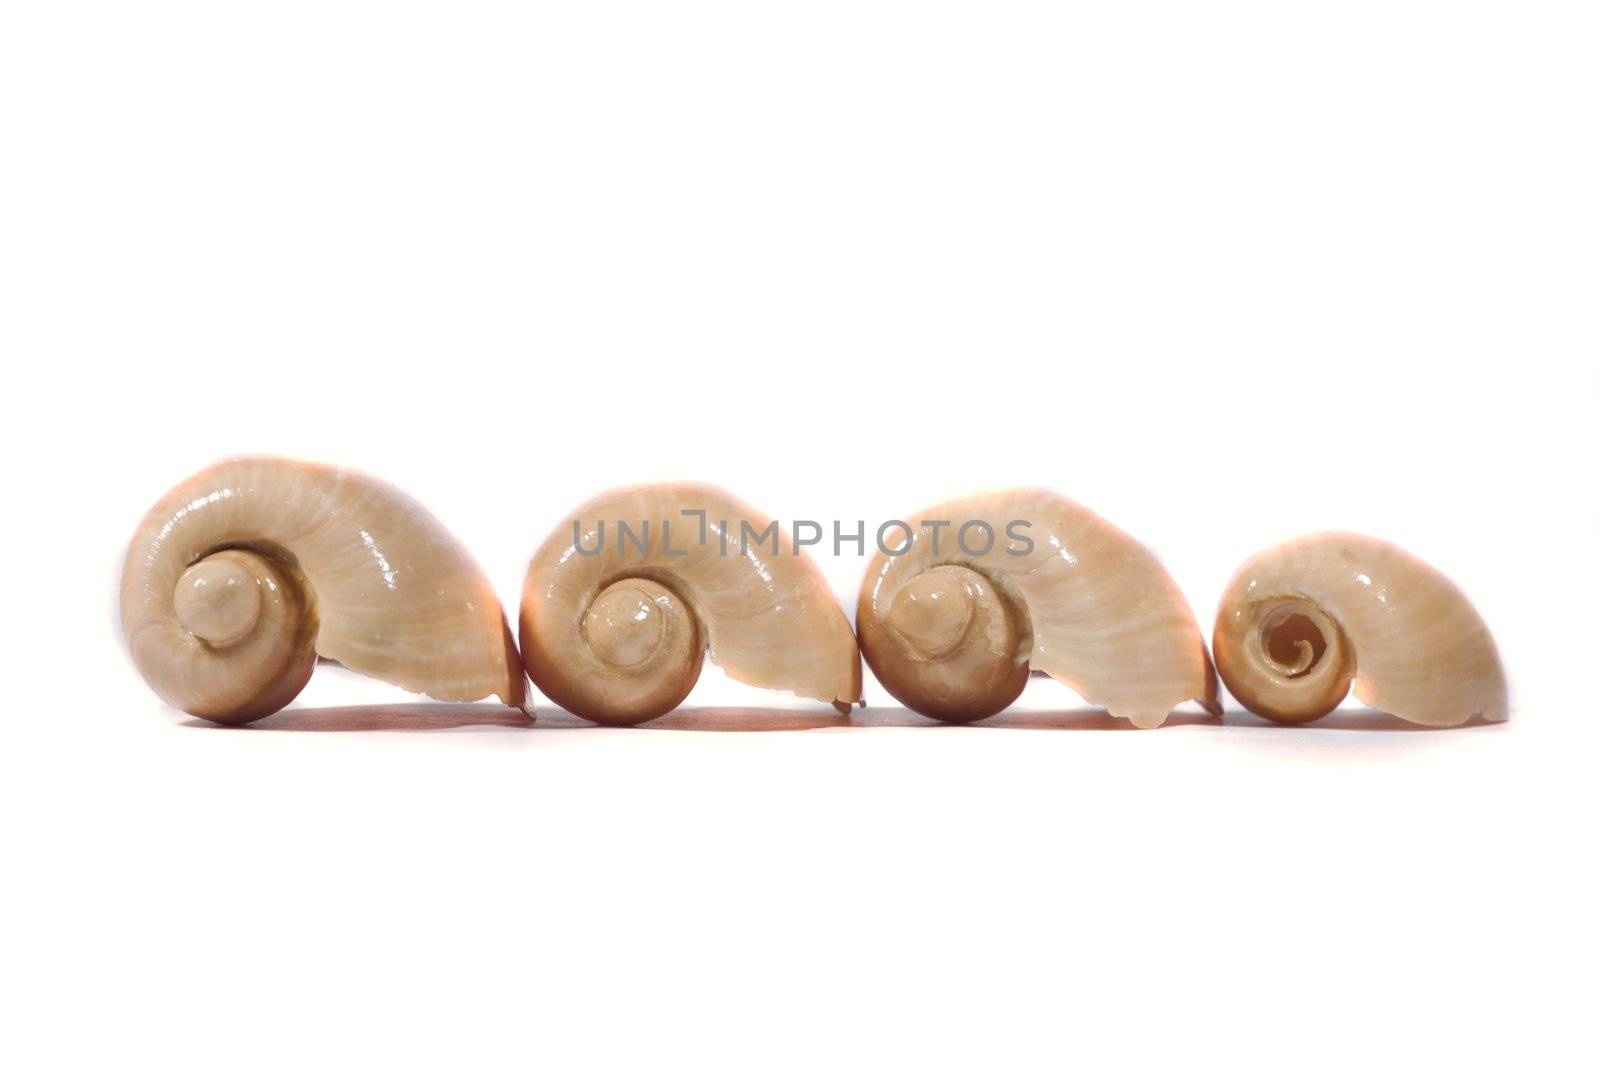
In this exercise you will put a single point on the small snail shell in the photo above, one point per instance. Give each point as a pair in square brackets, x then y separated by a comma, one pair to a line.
[240, 577]
[615, 626]
[1300, 621]
[951, 624]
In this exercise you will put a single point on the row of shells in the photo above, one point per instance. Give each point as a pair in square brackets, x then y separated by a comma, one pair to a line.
[240, 578]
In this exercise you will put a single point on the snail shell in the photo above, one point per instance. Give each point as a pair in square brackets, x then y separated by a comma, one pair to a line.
[238, 579]
[1301, 621]
[615, 627]
[952, 629]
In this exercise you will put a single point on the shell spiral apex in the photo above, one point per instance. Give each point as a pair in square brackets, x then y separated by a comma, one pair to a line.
[239, 578]
[953, 614]
[1301, 622]
[624, 600]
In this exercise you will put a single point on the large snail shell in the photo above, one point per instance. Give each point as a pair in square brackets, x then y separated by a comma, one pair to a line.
[615, 628]
[1299, 622]
[240, 577]
[952, 629]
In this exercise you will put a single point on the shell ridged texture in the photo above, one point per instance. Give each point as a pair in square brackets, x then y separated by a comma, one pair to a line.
[1300, 622]
[1086, 604]
[613, 625]
[349, 568]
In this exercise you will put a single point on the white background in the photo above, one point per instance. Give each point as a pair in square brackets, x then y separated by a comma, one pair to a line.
[1224, 272]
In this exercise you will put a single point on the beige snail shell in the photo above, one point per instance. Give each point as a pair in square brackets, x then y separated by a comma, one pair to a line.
[952, 627]
[1301, 621]
[239, 578]
[615, 626]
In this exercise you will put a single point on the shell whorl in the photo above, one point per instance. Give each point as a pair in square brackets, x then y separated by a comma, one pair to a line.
[950, 645]
[952, 624]
[641, 653]
[1302, 622]
[615, 627]
[239, 578]
[1284, 658]
[241, 639]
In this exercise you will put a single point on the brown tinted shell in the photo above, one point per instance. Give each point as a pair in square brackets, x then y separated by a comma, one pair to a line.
[1300, 622]
[241, 576]
[951, 624]
[631, 590]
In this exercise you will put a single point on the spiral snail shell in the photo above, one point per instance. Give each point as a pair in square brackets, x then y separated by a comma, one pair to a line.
[239, 578]
[1300, 622]
[991, 585]
[624, 600]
